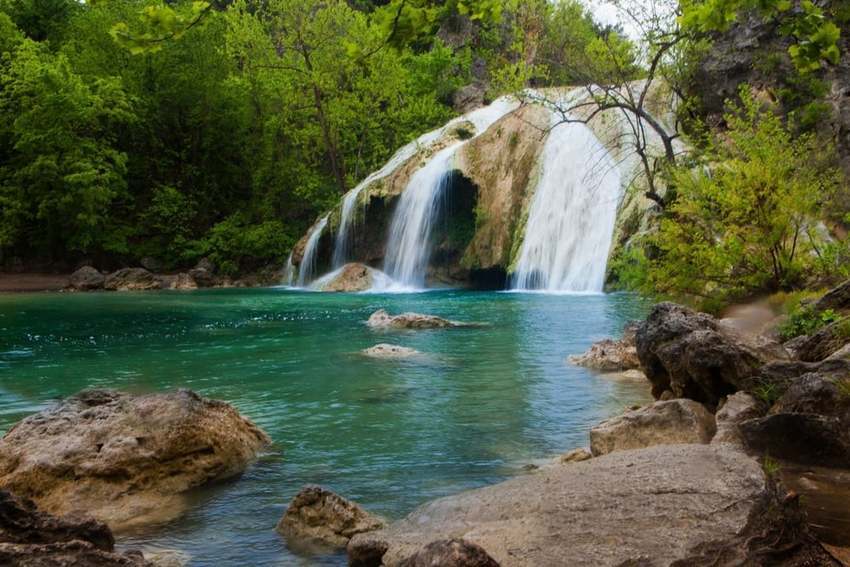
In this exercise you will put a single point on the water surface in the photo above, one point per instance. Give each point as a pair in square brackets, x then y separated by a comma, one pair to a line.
[388, 434]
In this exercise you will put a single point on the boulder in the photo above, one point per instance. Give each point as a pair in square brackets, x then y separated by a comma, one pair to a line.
[468, 98]
[810, 421]
[690, 355]
[86, 279]
[382, 320]
[737, 408]
[660, 503]
[150, 263]
[387, 351]
[32, 538]
[661, 423]
[824, 342]
[125, 459]
[610, 355]
[131, 279]
[184, 281]
[203, 277]
[450, 553]
[317, 516]
[350, 278]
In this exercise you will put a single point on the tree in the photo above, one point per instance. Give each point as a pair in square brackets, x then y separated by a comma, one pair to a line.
[64, 171]
[746, 220]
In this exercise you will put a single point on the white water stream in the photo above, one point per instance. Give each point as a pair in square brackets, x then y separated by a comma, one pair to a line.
[308, 261]
[571, 220]
[409, 240]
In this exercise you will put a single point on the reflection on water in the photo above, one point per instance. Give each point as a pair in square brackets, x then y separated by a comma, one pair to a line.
[389, 434]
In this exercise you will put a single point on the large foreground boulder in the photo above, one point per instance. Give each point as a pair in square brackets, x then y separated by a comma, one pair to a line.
[319, 517]
[655, 505]
[32, 538]
[611, 355]
[131, 279]
[450, 553]
[382, 320]
[125, 459]
[690, 355]
[661, 423]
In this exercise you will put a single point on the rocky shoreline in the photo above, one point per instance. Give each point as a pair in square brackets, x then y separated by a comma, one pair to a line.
[694, 478]
[88, 278]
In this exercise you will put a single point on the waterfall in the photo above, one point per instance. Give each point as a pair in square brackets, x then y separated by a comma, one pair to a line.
[571, 220]
[409, 244]
[289, 271]
[308, 260]
[343, 238]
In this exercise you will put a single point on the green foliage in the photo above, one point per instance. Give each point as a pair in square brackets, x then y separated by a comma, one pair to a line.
[64, 170]
[235, 244]
[816, 32]
[744, 218]
[158, 24]
[804, 320]
[770, 467]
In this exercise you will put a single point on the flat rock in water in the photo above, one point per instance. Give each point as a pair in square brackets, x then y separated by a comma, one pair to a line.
[388, 351]
[382, 320]
[661, 423]
[610, 355]
[317, 516]
[658, 503]
[125, 459]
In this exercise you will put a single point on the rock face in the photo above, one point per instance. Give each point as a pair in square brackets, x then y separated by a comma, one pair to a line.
[385, 351]
[382, 320]
[32, 538]
[320, 517]
[131, 279]
[575, 456]
[686, 353]
[86, 279]
[661, 423]
[837, 299]
[737, 408]
[352, 277]
[125, 459]
[610, 355]
[604, 511]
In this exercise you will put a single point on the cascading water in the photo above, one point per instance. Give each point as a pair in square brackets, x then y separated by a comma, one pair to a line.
[308, 261]
[409, 244]
[289, 271]
[343, 238]
[571, 220]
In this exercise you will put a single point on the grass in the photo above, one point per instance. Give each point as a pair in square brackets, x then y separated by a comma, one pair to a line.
[770, 467]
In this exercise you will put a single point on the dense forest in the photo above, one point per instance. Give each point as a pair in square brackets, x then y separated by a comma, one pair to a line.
[171, 132]
[180, 131]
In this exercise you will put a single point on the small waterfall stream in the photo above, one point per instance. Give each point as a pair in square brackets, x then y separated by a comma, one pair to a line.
[308, 261]
[409, 240]
[572, 215]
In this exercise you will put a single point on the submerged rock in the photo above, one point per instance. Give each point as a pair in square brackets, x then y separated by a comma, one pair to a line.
[86, 279]
[317, 516]
[658, 503]
[125, 459]
[690, 355]
[131, 279]
[661, 423]
[384, 350]
[382, 320]
[32, 538]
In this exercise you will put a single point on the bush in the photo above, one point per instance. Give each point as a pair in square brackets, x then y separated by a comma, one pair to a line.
[236, 246]
[745, 222]
[806, 320]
